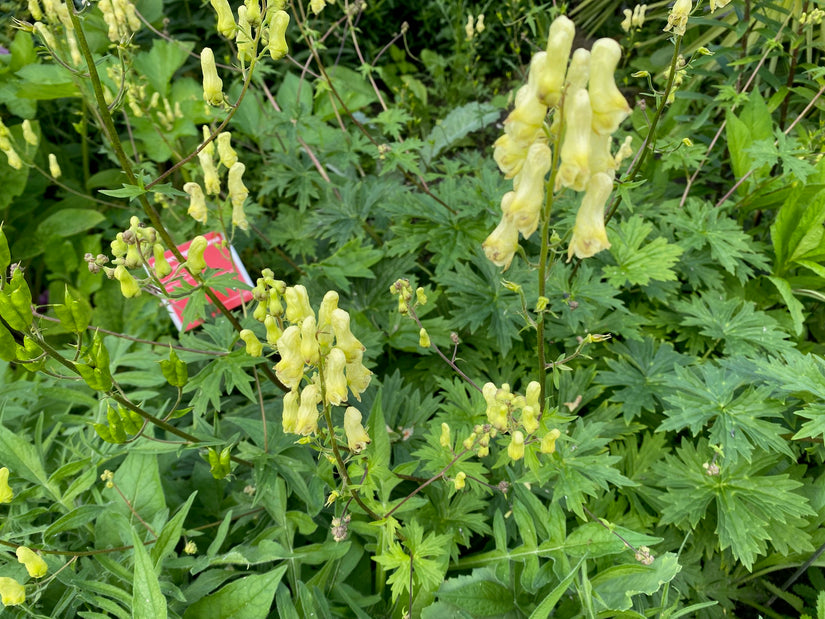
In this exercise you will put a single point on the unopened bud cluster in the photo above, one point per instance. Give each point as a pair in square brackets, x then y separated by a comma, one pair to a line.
[120, 17]
[228, 159]
[131, 249]
[321, 360]
[587, 109]
[252, 28]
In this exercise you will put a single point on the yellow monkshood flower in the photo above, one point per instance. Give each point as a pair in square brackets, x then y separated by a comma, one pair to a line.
[35, 565]
[550, 70]
[610, 107]
[12, 592]
[212, 84]
[678, 17]
[357, 437]
[6, 493]
[589, 234]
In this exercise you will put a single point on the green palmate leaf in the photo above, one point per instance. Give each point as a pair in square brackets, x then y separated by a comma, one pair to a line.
[638, 264]
[160, 63]
[353, 259]
[615, 587]
[147, 599]
[751, 508]
[735, 411]
[640, 374]
[737, 324]
[249, 597]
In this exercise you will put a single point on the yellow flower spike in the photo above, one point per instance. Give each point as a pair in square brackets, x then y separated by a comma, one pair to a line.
[551, 67]
[575, 149]
[501, 245]
[54, 167]
[28, 133]
[194, 255]
[548, 441]
[610, 107]
[445, 440]
[254, 348]
[237, 194]
[35, 565]
[197, 202]
[212, 84]
[531, 396]
[128, 285]
[211, 181]
[524, 208]
[459, 480]
[289, 414]
[226, 21]
[290, 369]
[6, 493]
[344, 339]
[529, 420]
[309, 341]
[297, 304]
[516, 447]
[678, 17]
[278, 23]
[12, 592]
[357, 437]
[273, 331]
[335, 381]
[307, 421]
[228, 156]
[358, 376]
[162, 267]
[589, 234]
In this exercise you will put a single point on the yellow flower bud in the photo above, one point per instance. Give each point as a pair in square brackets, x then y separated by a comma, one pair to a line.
[54, 167]
[423, 338]
[6, 493]
[531, 396]
[194, 256]
[639, 10]
[190, 547]
[309, 341]
[197, 202]
[253, 12]
[627, 21]
[162, 267]
[12, 592]
[243, 39]
[254, 348]
[289, 414]
[273, 331]
[45, 35]
[501, 245]
[278, 23]
[28, 133]
[344, 339]
[420, 296]
[212, 84]
[357, 437]
[516, 447]
[13, 158]
[548, 441]
[297, 304]
[128, 285]
[445, 440]
[610, 108]
[549, 78]
[226, 21]
[290, 369]
[211, 181]
[678, 17]
[237, 194]
[469, 27]
[35, 565]
[528, 419]
[480, 23]
[458, 482]
[575, 149]
[316, 6]
[307, 422]
[228, 156]
[589, 234]
[209, 149]
[470, 441]
[335, 381]
[524, 208]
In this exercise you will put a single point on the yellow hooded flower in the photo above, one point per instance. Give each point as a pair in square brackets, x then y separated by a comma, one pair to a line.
[501, 245]
[575, 149]
[197, 202]
[589, 234]
[610, 108]
[516, 447]
[289, 413]
[12, 592]
[290, 369]
[307, 421]
[524, 208]
[678, 17]
[357, 437]
[35, 565]
[6, 493]
[212, 84]
[335, 381]
[551, 65]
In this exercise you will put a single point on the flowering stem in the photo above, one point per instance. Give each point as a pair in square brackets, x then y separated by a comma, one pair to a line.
[647, 145]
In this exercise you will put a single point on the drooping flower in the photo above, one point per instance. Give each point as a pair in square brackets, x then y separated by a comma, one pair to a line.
[678, 17]
[335, 381]
[610, 107]
[589, 234]
[12, 592]
[501, 245]
[575, 149]
[516, 447]
[212, 84]
[35, 565]
[357, 437]
[197, 202]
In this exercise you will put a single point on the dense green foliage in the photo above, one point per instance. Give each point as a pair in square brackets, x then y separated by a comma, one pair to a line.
[683, 367]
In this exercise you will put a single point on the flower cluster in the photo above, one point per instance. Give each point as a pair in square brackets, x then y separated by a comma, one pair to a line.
[57, 33]
[588, 108]
[321, 360]
[120, 17]
[228, 159]
[634, 19]
[131, 249]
